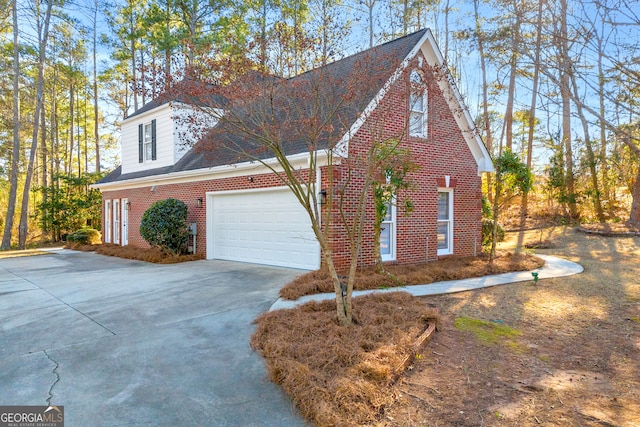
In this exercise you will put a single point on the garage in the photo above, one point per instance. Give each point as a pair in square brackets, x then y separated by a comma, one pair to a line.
[267, 226]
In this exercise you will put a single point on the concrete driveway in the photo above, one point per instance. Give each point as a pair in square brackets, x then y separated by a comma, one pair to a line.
[121, 342]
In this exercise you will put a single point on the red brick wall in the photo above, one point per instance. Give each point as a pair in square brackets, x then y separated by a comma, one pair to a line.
[443, 152]
[142, 198]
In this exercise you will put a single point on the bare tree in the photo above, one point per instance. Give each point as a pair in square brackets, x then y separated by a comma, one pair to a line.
[268, 118]
[96, 116]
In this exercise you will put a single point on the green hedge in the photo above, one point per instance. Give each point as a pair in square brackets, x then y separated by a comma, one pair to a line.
[164, 225]
[85, 236]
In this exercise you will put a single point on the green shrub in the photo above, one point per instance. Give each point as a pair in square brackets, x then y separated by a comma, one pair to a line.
[164, 226]
[85, 236]
[487, 228]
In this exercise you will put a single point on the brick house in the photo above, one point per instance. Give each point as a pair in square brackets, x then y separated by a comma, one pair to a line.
[242, 211]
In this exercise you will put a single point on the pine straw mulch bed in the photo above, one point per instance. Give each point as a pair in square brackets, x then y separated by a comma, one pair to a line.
[450, 268]
[610, 229]
[341, 376]
[153, 255]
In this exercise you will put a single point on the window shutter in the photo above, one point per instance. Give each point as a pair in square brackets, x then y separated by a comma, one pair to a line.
[153, 139]
[140, 144]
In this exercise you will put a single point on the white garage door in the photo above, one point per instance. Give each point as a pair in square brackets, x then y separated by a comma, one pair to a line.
[265, 227]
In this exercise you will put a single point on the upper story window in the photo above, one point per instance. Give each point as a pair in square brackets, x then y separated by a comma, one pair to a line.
[417, 106]
[147, 142]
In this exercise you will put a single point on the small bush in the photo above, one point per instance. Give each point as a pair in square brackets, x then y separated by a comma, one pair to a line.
[85, 236]
[164, 226]
[487, 229]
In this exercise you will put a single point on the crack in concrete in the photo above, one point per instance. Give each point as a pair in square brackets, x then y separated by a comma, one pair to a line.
[57, 375]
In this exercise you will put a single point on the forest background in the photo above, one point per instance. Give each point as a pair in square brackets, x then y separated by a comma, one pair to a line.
[556, 82]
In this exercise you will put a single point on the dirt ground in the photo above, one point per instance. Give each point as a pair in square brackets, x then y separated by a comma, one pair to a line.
[574, 359]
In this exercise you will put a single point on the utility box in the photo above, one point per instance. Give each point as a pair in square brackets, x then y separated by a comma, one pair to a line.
[193, 228]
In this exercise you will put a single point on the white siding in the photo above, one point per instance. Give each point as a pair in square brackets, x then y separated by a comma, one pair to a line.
[164, 140]
[174, 137]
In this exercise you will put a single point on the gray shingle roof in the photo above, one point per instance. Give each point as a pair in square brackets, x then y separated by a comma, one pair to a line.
[388, 56]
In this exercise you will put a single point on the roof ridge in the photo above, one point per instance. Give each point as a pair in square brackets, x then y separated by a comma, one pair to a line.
[379, 46]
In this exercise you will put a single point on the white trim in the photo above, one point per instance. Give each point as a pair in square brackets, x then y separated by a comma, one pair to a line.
[152, 112]
[117, 231]
[217, 172]
[449, 249]
[392, 235]
[124, 223]
[149, 143]
[434, 58]
[423, 113]
[107, 221]
[210, 202]
[210, 197]
[427, 45]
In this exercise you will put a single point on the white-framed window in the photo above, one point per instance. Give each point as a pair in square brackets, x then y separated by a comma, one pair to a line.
[417, 106]
[148, 142]
[107, 221]
[445, 221]
[388, 234]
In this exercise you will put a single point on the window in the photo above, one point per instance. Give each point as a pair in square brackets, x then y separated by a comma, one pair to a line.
[388, 234]
[445, 222]
[147, 142]
[417, 106]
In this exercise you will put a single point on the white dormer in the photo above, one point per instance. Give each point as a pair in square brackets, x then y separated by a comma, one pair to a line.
[160, 136]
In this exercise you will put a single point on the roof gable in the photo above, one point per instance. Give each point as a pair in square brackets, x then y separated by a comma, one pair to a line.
[430, 51]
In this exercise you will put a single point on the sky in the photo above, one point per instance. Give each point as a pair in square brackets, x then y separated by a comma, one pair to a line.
[465, 62]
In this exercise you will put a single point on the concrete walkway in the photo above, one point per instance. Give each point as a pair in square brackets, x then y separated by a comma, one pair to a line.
[553, 267]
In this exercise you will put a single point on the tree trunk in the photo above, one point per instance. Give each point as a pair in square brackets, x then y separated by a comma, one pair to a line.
[167, 52]
[565, 93]
[634, 216]
[485, 95]
[405, 17]
[45, 162]
[513, 70]
[72, 98]
[78, 133]
[608, 194]
[15, 156]
[96, 133]
[263, 37]
[23, 229]
[496, 212]
[446, 32]
[524, 209]
[134, 71]
[591, 158]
